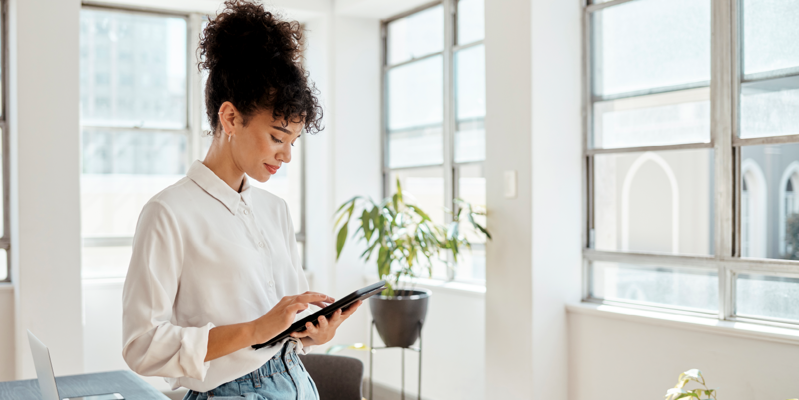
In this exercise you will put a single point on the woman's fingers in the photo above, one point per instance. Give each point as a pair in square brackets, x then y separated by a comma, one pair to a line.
[351, 309]
[320, 304]
[300, 334]
[311, 297]
[322, 322]
[296, 308]
[311, 328]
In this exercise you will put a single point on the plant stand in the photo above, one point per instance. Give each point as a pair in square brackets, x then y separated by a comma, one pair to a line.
[371, 363]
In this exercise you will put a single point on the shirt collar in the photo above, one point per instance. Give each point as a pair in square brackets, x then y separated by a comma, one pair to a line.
[217, 188]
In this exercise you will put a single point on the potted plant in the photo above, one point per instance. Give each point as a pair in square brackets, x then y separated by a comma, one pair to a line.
[406, 241]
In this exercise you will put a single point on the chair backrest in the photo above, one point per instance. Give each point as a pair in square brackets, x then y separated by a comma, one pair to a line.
[336, 377]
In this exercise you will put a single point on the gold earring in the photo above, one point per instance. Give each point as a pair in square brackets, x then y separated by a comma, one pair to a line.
[228, 138]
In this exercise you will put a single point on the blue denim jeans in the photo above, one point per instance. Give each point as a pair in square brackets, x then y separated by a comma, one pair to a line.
[283, 377]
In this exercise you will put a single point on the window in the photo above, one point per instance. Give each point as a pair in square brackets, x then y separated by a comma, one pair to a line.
[5, 237]
[434, 102]
[142, 125]
[684, 214]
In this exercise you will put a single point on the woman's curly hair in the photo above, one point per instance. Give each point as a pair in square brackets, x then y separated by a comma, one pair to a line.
[254, 60]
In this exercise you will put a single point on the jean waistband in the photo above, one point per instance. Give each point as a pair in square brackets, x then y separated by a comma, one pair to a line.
[285, 359]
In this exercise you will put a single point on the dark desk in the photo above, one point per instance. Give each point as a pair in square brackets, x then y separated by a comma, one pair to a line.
[125, 383]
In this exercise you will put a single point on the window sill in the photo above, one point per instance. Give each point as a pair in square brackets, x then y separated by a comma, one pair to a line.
[6, 287]
[699, 324]
[454, 287]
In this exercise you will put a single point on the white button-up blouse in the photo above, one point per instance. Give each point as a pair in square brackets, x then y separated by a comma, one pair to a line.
[205, 255]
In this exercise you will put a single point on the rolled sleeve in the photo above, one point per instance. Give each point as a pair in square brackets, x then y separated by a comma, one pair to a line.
[152, 344]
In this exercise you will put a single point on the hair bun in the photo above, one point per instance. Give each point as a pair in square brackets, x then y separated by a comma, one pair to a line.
[253, 59]
[244, 35]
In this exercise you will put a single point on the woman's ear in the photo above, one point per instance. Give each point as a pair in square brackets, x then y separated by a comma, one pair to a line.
[227, 118]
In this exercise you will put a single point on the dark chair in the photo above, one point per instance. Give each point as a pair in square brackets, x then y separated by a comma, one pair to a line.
[336, 377]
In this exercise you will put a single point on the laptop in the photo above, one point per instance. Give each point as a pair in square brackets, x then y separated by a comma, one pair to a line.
[44, 371]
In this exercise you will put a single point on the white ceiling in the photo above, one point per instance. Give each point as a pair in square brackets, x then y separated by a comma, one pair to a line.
[300, 10]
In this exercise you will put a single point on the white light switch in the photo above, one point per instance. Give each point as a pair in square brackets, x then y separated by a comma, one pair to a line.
[510, 184]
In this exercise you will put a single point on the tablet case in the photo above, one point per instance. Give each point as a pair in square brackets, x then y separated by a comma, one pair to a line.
[299, 326]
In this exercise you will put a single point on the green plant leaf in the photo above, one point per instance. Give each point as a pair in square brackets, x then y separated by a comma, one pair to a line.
[419, 211]
[399, 188]
[368, 252]
[342, 237]
[382, 255]
[341, 207]
[395, 200]
[366, 225]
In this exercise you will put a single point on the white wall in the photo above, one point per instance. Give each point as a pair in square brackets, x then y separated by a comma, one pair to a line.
[614, 358]
[453, 340]
[508, 125]
[533, 125]
[45, 185]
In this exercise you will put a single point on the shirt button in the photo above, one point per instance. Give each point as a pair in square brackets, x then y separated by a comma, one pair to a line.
[260, 244]
[271, 283]
[246, 212]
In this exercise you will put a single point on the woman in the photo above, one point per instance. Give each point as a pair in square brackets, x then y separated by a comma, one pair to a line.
[215, 267]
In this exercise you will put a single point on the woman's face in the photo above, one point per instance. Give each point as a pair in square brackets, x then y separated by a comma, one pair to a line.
[264, 145]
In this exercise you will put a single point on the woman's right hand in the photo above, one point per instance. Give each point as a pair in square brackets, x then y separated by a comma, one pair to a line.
[282, 315]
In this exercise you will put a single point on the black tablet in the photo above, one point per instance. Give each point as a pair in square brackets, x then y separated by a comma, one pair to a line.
[299, 326]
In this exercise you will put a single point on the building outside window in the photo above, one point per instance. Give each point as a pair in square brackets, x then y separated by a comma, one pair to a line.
[692, 157]
[142, 124]
[434, 110]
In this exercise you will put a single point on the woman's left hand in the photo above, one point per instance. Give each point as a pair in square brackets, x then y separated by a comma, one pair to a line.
[326, 328]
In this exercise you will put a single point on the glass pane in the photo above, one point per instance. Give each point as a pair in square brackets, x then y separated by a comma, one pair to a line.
[132, 70]
[122, 170]
[767, 296]
[769, 108]
[654, 202]
[205, 125]
[423, 187]
[134, 152]
[679, 287]
[287, 184]
[415, 114]
[470, 95]
[472, 188]
[769, 210]
[649, 44]
[415, 94]
[105, 262]
[415, 147]
[654, 120]
[471, 21]
[416, 35]
[3, 264]
[770, 31]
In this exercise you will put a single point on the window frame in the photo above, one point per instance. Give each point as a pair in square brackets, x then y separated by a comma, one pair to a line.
[726, 54]
[450, 169]
[193, 130]
[5, 240]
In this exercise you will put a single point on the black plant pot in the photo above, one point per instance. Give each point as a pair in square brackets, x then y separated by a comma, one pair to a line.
[398, 318]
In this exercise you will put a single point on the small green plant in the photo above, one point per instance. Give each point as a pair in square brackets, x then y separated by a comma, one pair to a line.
[679, 391]
[403, 235]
